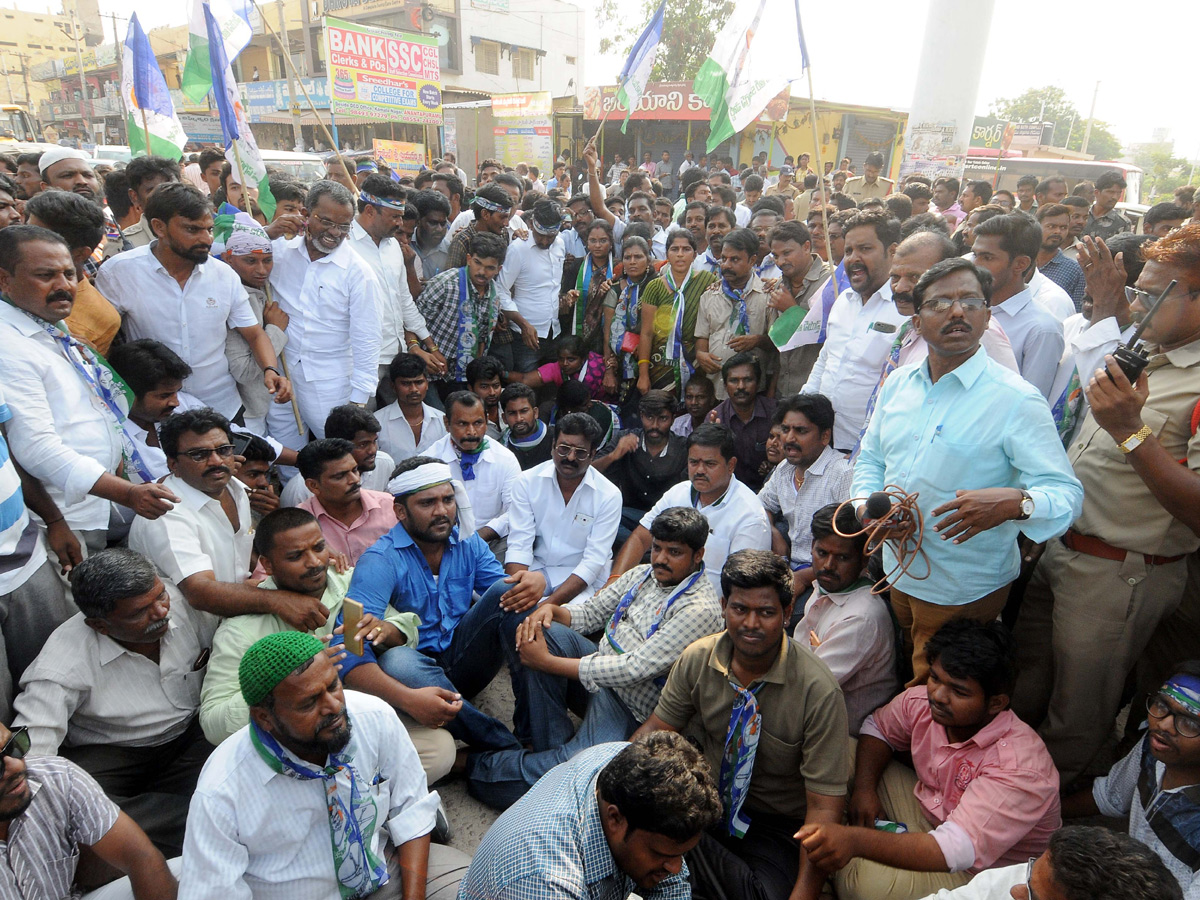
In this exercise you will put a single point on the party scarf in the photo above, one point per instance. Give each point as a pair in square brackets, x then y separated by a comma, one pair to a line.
[1173, 816]
[710, 263]
[837, 283]
[469, 339]
[106, 385]
[626, 318]
[1066, 407]
[740, 311]
[676, 352]
[737, 762]
[583, 284]
[467, 461]
[351, 825]
[539, 433]
[890, 365]
[610, 632]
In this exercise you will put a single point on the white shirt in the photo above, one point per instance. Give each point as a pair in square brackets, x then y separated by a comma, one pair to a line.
[197, 536]
[1086, 346]
[573, 244]
[397, 311]
[530, 281]
[564, 539]
[658, 243]
[990, 884]
[742, 214]
[60, 432]
[333, 303]
[1051, 297]
[737, 521]
[191, 320]
[856, 641]
[490, 491]
[296, 491]
[254, 834]
[86, 689]
[1036, 338]
[858, 337]
[396, 435]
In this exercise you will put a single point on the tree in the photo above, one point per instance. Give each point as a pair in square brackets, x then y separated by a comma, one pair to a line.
[1058, 109]
[1164, 171]
[689, 30]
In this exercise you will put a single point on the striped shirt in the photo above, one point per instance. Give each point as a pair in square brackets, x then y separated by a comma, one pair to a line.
[68, 809]
[551, 845]
[826, 481]
[21, 549]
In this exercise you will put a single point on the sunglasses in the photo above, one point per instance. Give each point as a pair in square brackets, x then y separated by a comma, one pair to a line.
[201, 454]
[1029, 878]
[17, 745]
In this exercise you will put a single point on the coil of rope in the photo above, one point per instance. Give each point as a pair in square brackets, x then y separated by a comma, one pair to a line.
[893, 517]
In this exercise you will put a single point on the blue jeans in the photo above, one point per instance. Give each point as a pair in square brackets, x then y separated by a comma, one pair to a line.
[631, 518]
[467, 666]
[501, 778]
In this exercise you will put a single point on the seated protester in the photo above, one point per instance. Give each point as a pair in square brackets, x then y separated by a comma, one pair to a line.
[525, 434]
[773, 724]
[747, 413]
[351, 518]
[408, 426]
[1080, 862]
[810, 475]
[699, 399]
[116, 690]
[1154, 786]
[648, 616]
[484, 380]
[154, 374]
[573, 364]
[255, 475]
[737, 521]
[352, 423]
[430, 564]
[646, 462]
[734, 313]
[985, 791]
[296, 557]
[574, 397]
[614, 821]
[50, 810]
[345, 760]
[486, 469]
[774, 451]
[845, 623]
[564, 516]
[202, 545]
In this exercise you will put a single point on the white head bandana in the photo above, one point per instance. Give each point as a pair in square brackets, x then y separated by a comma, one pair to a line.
[431, 475]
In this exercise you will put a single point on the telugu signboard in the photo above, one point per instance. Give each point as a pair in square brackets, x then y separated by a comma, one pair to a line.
[378, 73]
[933, 149]
[523, 131]
[671, 101]
[990, 134]
[400, 156]
[263, 98]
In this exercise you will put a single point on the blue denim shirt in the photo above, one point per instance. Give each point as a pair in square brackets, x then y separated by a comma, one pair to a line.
[394, 570]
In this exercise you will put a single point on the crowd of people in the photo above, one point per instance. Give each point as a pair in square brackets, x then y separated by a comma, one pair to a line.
[828, 537]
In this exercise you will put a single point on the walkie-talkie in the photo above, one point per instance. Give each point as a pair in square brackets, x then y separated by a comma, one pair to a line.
[1132, 358]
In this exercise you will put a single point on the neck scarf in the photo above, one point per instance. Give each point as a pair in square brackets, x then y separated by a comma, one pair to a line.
[1173, 816]
[112, 392]
[352, 818]
[739, 307]
[676, 352]
[467, 461]
[1066, 407]
[469, 341]
[711, 263]
[837, 283]
[539, 432]
[583, 284]
[627, 320]
[737, 762]
[610, 632]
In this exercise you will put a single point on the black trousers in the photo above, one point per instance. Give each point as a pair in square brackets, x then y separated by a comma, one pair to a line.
[763, 865]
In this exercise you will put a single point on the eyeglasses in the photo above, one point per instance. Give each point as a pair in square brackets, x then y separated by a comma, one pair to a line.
[201, 454]
[1029, 878]
[1147, 299]
[334, 226]
[941, 305]
[1186, 726]
[566, 451]
[16, 746]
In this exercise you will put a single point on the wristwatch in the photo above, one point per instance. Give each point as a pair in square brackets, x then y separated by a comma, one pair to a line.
[1026, 506]
[1135, 440]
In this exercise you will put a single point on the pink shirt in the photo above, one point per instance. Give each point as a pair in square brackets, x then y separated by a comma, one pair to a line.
[998, 790]
[995, 343]
[378, 517]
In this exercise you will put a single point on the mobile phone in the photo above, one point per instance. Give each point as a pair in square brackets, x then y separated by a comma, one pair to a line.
[240, 442]
[352, 613]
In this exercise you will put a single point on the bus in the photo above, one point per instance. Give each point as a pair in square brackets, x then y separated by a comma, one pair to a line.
[16, 124]
[1011, 168]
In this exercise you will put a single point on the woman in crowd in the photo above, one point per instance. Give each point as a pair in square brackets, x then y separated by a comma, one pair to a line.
[623, 324]
[666, 352]
[586, 284]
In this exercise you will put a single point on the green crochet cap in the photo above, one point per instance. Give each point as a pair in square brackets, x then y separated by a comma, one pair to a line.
[271, 659]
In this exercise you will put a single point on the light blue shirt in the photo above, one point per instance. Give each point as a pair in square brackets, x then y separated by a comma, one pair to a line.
[1036, 338]
[980, 426]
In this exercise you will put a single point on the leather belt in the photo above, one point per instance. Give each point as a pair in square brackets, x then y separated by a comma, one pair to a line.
[1093, 546]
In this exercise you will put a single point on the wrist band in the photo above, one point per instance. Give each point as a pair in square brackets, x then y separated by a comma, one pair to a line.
[643, 362]
[273, 369]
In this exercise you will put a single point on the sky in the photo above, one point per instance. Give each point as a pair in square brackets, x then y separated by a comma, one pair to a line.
[1022, 51]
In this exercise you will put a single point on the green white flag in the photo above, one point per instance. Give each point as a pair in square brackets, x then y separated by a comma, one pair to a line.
[233, 22]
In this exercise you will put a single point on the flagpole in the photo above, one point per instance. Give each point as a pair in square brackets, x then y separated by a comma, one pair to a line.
[145, 131]
[812, 115]
[288, 59]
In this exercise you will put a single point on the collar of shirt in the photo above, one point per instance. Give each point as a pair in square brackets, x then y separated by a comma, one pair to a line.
[195, 499]
[727, 413]
[1014, 304]
[840, 597]
[598, 862]
[721, 659]
[371, 500]
[338, 257]
[828, 455]
[336, 585]
[646, 450]
[107, 649]
[1183, 357]
[402, 540]
[966, 373]
[24, 325]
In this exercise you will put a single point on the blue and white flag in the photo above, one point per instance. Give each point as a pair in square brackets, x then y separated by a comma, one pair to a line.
[148, 105]
[636, 74]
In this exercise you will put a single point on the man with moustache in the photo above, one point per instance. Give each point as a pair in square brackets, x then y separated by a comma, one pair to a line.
[351, 517]
[718, 222]
[68, 170]
[811, 475]
[116, 689]
[321, 795]
[747, 413]
[203, 544]
[170, 291]
[803, 272]
[1055, 219]
[989, 464]
[409, 425]
[528, 287]
[525, 434]
[649, 616]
